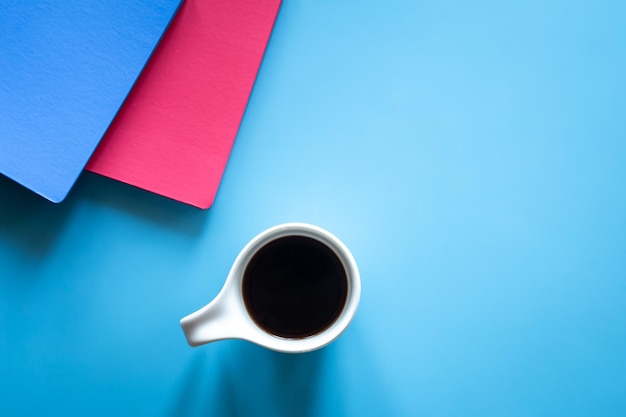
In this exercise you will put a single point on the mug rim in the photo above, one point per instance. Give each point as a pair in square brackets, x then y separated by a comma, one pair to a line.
[252, 331]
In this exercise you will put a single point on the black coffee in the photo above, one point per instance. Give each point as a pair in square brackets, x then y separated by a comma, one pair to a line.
[294, 287]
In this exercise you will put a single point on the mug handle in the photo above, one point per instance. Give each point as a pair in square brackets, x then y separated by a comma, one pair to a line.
[215, 321]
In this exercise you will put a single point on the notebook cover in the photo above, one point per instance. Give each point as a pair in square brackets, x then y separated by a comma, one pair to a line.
[65, 69]
[175, 131]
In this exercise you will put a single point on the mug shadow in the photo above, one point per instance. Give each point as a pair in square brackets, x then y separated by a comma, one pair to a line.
[32, 224]
[243, 379]
[264, 382]
[185, 403]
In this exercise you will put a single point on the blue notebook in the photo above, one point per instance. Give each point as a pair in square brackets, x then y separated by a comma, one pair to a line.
[65, 70]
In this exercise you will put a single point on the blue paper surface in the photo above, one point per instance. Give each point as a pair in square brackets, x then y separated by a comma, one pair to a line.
[65, 69]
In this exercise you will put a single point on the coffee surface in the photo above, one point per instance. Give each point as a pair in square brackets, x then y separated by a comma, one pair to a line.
[295, 287]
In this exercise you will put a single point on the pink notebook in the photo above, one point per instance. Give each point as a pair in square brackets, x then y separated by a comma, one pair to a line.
[174, 133]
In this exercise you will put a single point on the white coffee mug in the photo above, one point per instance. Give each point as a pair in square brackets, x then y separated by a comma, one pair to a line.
[228, 317]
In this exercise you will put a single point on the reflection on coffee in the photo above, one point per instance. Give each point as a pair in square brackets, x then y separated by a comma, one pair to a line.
[295, 287]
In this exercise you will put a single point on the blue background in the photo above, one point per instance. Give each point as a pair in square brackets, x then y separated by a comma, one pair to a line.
[471, 155]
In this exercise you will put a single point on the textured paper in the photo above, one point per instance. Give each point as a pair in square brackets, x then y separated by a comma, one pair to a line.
[65, 69]
[175, 132]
